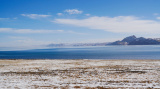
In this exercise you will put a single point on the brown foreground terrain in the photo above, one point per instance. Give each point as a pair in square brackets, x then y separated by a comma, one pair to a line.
[79, 74]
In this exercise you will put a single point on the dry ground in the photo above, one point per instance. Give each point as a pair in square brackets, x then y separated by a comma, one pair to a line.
[79, 74]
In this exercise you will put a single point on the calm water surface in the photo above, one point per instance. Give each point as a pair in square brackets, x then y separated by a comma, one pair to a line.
[107, 52]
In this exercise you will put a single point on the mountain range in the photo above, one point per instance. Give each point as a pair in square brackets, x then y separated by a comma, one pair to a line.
[130, 40]
[133, 40]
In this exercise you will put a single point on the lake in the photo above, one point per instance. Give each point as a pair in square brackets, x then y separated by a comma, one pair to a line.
[105, 52]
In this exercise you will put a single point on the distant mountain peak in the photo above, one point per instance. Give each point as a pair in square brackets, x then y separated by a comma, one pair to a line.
[133, 36]
[133, 40]
[129, 38]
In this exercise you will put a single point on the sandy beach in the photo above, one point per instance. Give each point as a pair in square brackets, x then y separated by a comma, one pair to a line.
[82, 74]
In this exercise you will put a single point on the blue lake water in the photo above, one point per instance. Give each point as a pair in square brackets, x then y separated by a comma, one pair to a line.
[106, 52]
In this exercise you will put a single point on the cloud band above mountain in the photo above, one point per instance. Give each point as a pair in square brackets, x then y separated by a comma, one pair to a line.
[124, 24]
[12, 30]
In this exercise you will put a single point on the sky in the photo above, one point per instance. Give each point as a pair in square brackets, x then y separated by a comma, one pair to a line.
[37, 23]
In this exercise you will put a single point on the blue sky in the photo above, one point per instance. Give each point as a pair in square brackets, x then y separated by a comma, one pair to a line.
[36, 23]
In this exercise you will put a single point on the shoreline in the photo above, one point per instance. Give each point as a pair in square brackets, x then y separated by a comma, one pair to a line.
[81, 59]
[82, 73]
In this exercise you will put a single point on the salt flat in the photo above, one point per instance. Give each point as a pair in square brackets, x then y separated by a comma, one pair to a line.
[83, 74]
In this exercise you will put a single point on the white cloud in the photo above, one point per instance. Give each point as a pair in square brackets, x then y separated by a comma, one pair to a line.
[11, 30]
[155, 14]
[73, 11]
[4, 18]
[8, 19]
[158, 18]
[124, 24]
[35, 16]
[87, 14]
[59, 14]
[5, 29]
[72, 32]
[28, 31]
[15, 18]
[36, 31]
